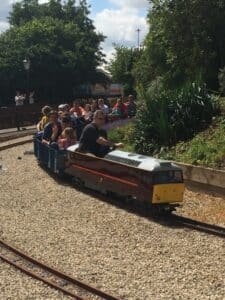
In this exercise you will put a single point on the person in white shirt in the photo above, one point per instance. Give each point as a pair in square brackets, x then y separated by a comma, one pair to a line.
[102, 106]
[19, 99]
[31, 98]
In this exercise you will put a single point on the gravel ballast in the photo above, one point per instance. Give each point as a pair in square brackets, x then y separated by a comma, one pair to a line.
[118, 251]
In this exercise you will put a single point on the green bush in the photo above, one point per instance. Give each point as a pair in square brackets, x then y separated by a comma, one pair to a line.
[207, 148]
[221, 78]
[166, 117]
[123, 134]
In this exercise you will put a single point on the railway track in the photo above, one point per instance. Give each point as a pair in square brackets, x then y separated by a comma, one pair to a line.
[12, 135]
[50, 276]
[197, 225]
[15, 142]
[74, 287]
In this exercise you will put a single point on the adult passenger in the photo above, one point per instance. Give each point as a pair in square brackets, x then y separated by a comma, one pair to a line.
[94, 139]
[119, 109]
[53, 129]
[102, 106]
[77, 110]
[131, 106]
[88, 115]
[94, 106]
[45, 118]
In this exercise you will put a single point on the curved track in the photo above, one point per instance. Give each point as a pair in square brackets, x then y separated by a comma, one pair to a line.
[52, 277]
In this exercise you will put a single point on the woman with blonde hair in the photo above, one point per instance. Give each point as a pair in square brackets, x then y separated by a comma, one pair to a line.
[45, 118]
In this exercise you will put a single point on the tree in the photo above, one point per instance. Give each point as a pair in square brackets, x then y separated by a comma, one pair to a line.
[121, 67]
[186, 38]
[61, 42]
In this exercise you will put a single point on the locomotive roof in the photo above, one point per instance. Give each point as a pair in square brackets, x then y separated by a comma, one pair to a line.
[141, 161]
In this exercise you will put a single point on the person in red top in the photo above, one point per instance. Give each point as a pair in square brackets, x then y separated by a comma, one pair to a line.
[119, 109]
[77, 110]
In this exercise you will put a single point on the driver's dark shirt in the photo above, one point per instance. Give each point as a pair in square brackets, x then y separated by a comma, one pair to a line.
[88, 140]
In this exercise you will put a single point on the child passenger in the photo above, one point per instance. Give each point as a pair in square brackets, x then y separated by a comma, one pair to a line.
[67, 138]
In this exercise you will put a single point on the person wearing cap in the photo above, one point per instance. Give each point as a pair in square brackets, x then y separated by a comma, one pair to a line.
[94, 140]
[63, 107]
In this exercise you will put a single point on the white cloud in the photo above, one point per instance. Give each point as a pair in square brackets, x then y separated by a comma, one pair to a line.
[131, 3]
[120, 26]
[3, 26]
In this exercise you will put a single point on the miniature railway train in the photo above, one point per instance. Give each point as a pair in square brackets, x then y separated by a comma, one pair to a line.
[155, 182]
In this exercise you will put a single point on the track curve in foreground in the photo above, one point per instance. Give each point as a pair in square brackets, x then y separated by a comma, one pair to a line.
[52, 277]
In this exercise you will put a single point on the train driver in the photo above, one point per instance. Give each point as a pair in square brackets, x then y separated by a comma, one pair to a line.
[94, 140]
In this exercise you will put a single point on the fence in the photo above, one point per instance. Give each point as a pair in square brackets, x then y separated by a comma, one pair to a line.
[24, 115]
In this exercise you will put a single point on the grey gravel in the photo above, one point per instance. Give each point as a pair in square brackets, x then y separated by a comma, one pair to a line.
[118, 251]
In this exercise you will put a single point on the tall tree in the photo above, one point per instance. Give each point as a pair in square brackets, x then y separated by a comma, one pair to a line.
[185, 38]
[121, 67]
[61, 42]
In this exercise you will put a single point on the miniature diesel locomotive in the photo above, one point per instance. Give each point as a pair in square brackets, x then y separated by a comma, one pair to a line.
[156, 182]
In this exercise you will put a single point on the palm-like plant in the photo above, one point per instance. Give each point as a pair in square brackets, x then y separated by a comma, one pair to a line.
[165, 117]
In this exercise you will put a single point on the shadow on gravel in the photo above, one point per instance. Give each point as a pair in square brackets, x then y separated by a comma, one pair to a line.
[170, 220]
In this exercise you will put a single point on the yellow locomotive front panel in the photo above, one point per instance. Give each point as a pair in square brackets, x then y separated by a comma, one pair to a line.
[168, 193]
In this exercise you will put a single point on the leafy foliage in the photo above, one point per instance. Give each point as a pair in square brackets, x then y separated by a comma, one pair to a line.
[61, 42]
[205, 149]
[123, 134]
[221, 78]
[186, 38]
[166, 117]
[121, 67]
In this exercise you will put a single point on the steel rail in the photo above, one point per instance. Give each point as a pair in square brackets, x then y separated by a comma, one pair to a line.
[46, 281]
[15, 144]
[8, 136]
[58, 273]
[197, 225]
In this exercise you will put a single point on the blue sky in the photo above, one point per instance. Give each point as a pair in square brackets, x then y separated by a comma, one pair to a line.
[116, 19]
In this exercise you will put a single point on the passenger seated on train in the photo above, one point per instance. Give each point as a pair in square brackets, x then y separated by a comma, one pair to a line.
[67, 121]
[119, 110]
[94, 139]
[78, 124]
[77, 110]
[45, 118]
[52, 130]
[64, 108]
[68, 138]
[131, 106]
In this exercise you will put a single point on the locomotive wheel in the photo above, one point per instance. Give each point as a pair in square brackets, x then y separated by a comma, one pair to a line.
[160, 210]
[129, 200]
[78, 183]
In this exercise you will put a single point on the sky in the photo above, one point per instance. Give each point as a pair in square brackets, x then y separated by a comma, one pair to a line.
[116, 19]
